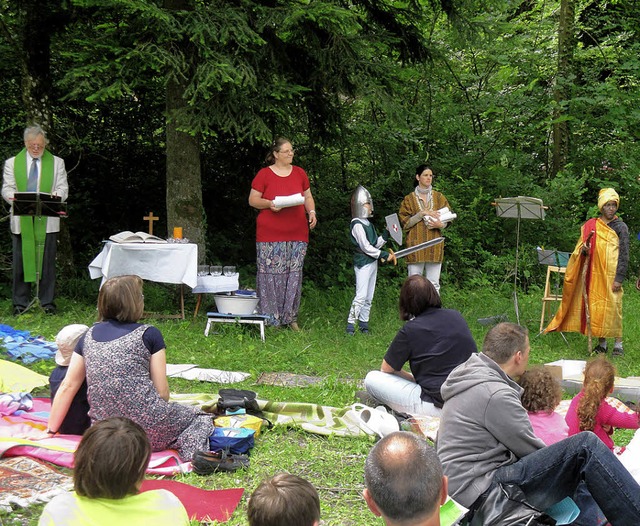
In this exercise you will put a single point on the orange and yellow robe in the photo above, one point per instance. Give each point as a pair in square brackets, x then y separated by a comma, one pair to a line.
[605, 306]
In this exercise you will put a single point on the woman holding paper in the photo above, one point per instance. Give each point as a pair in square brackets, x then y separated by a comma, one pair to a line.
[423, 214]
[282, 194]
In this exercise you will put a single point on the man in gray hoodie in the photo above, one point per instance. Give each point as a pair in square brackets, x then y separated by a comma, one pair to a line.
[485, 438]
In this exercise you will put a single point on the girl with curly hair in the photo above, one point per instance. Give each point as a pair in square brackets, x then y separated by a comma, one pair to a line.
[592, 409]
[540, 396]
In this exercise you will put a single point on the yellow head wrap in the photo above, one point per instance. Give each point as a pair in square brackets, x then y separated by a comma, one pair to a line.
[606, 195]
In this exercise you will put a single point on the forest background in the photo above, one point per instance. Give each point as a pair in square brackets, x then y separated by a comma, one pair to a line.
[170, 106]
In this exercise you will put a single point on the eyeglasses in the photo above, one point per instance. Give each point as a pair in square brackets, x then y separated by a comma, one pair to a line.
[287, 152]
[36, 146]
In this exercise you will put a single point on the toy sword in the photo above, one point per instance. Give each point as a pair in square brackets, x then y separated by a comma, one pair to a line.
[406, 251]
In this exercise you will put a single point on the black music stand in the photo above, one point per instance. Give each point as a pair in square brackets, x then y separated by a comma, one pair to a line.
[520, 207]
[38, 204]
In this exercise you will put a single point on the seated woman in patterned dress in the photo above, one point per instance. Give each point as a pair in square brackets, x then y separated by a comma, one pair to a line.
[124, 364]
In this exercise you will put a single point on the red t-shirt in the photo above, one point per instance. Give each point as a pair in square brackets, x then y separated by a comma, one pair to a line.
[289, 224]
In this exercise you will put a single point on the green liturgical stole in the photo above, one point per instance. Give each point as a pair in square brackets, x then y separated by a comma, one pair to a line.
[34, 229]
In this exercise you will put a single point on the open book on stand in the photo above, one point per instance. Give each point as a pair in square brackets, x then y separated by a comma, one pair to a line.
[38, 204]
[135, 237]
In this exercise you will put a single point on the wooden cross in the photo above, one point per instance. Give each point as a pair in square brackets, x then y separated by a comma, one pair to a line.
[151, 218]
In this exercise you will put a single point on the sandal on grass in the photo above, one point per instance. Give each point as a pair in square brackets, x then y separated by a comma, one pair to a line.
[207, 462]
[599, 349]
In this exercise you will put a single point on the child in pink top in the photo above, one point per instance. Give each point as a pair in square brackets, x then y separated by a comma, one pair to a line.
[541, 395]
[593, 410]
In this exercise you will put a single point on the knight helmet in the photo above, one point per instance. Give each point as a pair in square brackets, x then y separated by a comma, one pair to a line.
[359, 198]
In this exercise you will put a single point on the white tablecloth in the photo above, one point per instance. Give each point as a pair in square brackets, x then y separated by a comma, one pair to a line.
[213, 284]
[159, 262]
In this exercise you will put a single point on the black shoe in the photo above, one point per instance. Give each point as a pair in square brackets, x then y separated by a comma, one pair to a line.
[617, 351]
[17, 310]
[207, 462]
[50, 309]
[599, 349]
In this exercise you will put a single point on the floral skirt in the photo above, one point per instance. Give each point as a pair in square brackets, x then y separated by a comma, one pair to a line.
[279, 279]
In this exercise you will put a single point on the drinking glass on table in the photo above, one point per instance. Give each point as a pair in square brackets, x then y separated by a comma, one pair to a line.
[216, 270]
[229, 270]
[203, 270]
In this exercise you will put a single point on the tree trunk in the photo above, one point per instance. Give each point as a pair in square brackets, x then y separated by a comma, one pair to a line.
[562, 91]
[36, 75]
[184, 184]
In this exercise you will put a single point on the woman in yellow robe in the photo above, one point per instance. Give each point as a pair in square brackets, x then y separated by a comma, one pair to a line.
[603, 248]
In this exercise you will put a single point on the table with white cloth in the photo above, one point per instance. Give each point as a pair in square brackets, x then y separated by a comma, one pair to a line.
[160, 262]
[209, 284]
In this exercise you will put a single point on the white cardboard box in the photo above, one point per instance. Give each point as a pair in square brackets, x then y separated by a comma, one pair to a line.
[570, 374]
[563, 369]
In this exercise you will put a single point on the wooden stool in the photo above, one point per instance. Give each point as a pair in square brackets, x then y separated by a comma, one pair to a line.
[548, 295]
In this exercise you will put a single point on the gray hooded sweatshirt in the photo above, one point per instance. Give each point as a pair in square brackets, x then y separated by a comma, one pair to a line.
[483, 426]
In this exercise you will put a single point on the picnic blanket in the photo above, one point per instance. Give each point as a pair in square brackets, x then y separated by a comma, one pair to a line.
[21, 432]
[428, 426]
[21, 345]
[201, 504]
[14, 378]
[314, 418]
[24, 481]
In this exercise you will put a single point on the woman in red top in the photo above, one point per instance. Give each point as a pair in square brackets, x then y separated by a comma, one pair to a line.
[282, 233]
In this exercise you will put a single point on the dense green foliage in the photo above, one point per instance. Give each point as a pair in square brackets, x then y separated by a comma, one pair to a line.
[365, 90]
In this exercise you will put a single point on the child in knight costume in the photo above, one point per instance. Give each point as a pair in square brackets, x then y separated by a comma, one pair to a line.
[365, 258]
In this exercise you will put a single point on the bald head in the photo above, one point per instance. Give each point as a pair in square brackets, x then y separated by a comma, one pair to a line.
[404, 479]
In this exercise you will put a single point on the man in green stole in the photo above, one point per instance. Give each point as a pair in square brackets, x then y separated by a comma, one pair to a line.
[34, 169]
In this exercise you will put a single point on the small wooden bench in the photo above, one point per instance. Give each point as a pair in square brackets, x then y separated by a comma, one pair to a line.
[251, 319]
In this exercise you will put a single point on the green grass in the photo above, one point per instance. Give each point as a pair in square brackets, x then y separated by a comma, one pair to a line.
[334, 465]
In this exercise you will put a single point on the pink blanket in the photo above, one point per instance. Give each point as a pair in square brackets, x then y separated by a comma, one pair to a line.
[21, 432]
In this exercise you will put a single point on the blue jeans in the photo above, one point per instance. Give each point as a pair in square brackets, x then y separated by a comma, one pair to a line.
[554, 472]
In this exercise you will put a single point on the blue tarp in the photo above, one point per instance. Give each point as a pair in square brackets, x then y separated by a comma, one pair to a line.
[20, 345]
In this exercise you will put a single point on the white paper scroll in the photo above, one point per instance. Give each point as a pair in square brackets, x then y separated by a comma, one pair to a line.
[445, 216]
[284, 201]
